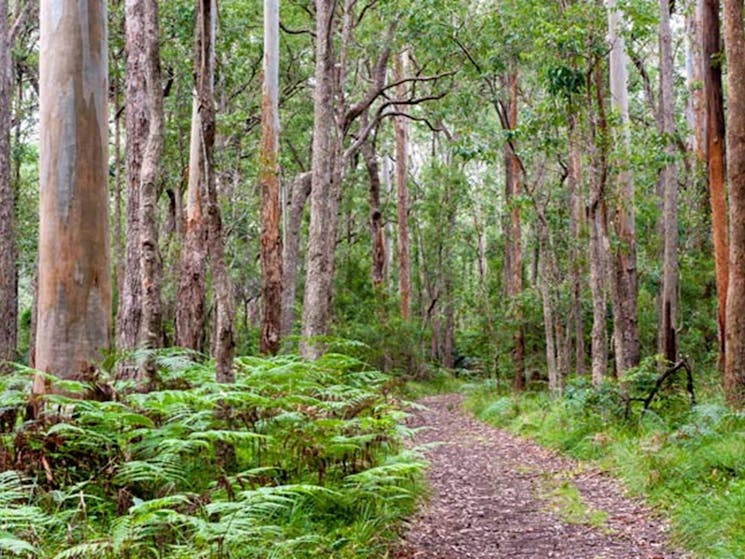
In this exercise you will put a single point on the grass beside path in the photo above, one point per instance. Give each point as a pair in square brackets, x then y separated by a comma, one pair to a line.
[688, 462]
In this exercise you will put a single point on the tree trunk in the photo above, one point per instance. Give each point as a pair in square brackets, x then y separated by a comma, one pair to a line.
[598, 231]
[129, 315]
[8, 256]
[74, 283]
[324, 196]
[625, 331]
[574, 182]
[190, 306]
[271, 241]
[668, 343]
[376, 217]
[223, 342]
[599, 301]
[554, 378]
[118, 230]
[734, 372]
[151, 270]
[513, 234]
[402, 155]
[290, 259]
[696, 105]
[715, 157]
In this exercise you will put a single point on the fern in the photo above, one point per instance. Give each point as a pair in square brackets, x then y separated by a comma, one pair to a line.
[139, 476]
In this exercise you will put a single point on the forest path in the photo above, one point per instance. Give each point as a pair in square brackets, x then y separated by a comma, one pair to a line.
[497, 496]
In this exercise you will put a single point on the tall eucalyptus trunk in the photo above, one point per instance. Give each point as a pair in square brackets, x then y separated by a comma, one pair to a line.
[129, 313]
[402, 166]
[291, 249]
[667, 341]
[513, 233]
[376, 217]
[74, 315]
[696, 112]
[8, 253]
[597, 222]
[716, 157]
[223, 345]
[625, 330]
[139, 319]
[734, 38]
[325, 190]
[576, 211]
[151, 268]
[271, 240]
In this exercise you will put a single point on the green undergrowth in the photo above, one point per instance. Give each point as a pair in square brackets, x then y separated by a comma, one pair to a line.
[688, 461]
[293, 460]
[438, 381]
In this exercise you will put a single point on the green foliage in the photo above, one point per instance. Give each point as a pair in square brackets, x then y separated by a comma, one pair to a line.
[317, 471]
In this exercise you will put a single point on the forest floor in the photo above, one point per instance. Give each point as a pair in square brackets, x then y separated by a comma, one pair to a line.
[497, 496]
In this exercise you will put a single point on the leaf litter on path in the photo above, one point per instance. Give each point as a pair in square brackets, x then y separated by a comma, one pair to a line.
[496, 496]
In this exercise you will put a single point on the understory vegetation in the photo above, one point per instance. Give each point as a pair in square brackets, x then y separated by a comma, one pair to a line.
[293, 460]
[686, 460]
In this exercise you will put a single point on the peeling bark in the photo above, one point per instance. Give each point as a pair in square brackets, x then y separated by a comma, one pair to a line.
[191, 304]
[74, 315]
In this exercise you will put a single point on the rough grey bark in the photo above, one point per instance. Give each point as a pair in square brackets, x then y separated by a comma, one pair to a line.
[667, 341]
[140, 307]
[402, 166]
[734, 371]
[223, 342]
[190, 299]
[74, 282]
[191, 296]
[271, 240]
[334, 115]
[624, 292]
[290, 250]
[324, 190]
[598, 235]
[129, 314]
[8, 255]
[151, 273]
[378, 270]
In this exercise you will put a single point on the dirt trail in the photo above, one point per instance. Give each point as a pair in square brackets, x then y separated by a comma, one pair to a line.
[496, 496]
